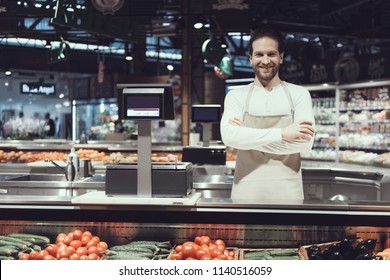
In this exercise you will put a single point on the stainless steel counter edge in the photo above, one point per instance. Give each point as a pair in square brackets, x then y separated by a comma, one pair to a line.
[209, 205]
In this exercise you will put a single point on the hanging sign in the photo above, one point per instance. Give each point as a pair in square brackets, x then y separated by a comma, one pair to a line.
[37, 88]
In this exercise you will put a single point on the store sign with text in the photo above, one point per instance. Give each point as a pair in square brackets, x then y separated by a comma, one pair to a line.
[37, 88]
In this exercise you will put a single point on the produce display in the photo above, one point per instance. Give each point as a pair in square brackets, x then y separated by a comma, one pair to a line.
[343, 250]
[75, 245]
[202, 248]
[19, 245]
[95, 155]
[128, 158]
[83, 245]
[140, 250]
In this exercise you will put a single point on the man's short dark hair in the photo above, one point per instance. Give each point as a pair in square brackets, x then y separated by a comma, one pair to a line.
[266, 31]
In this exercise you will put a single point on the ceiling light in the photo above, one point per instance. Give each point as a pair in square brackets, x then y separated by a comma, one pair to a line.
[198, 22]
[170, 67]
[129, 56]
[8, 72]
[48, 44]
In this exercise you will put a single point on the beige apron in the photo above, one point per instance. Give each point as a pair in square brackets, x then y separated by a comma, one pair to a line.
[263, 176]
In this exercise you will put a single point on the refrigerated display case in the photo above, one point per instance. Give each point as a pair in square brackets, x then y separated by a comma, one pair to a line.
[352, 123]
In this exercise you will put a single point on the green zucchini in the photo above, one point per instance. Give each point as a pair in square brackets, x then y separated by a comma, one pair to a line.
[34, 238]
[283, 252]
[6, 258]
[131, 256]
[18, 246]
[257, 255]
[143, 248]
[15, 240]
[8, 251]
[163, 244]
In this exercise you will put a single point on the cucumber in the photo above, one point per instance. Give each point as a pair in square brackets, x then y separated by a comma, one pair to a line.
[34, 238]
[6, 258]
[131, 255]
[125, 248]
[285, 252]
[257, 255]
[286, 258]
[163, 244]
[8, 251]
[127, 257]
[15, 240]
[18, 246]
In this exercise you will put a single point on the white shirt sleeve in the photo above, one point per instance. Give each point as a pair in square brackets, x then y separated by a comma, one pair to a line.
[266, 140]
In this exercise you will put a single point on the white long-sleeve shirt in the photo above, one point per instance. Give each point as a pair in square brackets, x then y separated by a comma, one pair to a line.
[265, 103]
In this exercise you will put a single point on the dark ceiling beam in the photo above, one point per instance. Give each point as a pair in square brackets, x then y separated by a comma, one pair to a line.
[36, 22]
[287, 26]
[347, 8]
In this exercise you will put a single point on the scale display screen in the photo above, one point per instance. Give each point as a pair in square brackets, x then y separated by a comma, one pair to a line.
[144, 106]
[206, 113]
[146, 102]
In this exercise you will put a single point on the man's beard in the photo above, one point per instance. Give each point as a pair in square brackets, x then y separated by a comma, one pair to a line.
[265, 76]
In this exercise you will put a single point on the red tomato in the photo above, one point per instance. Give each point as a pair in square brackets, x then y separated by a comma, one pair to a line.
[49, 258]
[68, 239]
[198, 240]
[77, 234]
[219, 242]
[60, 237]
[200, 253]
[24, 256]
[214, 253]
[205, 240]
[82, 251]
[206, 257]
[177, 256]
[93, 250]
[74, 257]
[178, 248]
[93, 256]
[52, 249]
[221, 257]
[85, 239]
[95, 239]
[189, 251]
[190, 259]
[42, 254]
[62, 252]
[76, 244]
[91, 243]
[205, 247]
[87, 233]
[70, 250]
[84, 257]
[103, 245]
[33, 255]
[220, 247]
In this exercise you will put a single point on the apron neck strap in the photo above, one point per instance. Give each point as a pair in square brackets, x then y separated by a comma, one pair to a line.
[288, 94]
[248, 98]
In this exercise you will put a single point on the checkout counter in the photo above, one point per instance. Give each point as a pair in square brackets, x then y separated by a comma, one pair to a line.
[199, 204]
[49, 204]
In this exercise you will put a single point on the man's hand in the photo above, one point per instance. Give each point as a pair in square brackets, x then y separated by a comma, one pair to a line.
[236, 121]
[303, 130]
